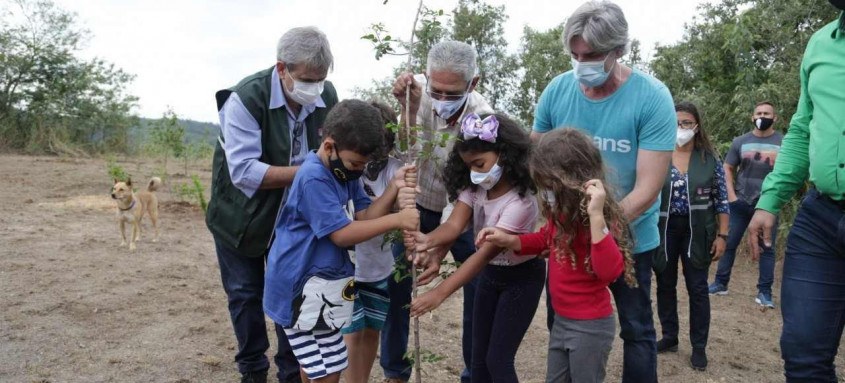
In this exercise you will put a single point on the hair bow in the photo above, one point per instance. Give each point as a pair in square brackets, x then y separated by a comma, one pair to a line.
[485, 130]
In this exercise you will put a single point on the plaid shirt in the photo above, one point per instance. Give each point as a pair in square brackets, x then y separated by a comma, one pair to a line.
[433, 192]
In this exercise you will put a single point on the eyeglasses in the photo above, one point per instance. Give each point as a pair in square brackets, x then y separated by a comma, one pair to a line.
[444, 96]
[687, 124]
[296, 138]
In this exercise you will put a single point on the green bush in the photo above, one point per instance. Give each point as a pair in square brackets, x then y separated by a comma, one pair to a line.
[193, 193]
[116, 172]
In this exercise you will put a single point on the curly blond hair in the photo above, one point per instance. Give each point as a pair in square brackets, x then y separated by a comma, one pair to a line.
[563, 161]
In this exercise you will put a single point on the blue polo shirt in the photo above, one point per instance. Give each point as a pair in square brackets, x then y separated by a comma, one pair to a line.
[316, 207]
[639, 115]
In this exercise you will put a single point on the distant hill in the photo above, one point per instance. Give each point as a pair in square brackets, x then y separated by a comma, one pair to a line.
[194, 130]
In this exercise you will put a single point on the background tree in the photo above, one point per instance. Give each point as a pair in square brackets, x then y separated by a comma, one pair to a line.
[167, 137]
[541, 57]
[482, 26]
[51, 100]
[736, 53]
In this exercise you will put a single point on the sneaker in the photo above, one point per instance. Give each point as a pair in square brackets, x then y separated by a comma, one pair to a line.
[717, 288]
[765, 300]
[254, 377]
[698, 359]
[665, 345]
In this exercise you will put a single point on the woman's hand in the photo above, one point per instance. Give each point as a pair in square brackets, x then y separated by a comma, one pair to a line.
[718, 248]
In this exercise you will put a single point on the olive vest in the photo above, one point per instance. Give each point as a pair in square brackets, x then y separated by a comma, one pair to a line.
[239, 222]
[702, 217]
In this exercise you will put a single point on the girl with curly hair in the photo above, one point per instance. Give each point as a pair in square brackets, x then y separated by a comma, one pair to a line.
[586, 234]
[487, 172]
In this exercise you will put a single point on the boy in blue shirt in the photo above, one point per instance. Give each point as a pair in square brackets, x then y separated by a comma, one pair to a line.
[309, 288]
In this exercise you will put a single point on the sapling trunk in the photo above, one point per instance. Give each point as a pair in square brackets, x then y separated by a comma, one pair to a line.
[411, 181]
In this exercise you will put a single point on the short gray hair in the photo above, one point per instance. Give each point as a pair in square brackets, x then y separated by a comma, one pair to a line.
[305, 45]
[453, 56]
[601, 24]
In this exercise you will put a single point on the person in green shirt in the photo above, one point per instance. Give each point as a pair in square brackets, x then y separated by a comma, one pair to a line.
[813, 288]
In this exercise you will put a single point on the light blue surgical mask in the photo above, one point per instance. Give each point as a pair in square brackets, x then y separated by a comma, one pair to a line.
[446, 109]
[486, 180]
[591, 73]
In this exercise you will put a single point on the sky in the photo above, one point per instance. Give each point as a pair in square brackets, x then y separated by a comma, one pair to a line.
[183, 51]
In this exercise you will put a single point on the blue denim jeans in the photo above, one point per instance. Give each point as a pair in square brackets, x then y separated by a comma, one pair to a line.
[677, 246]
[813, 291]
[741, 213]
[243, 281]
[633, 306]
[394, 334]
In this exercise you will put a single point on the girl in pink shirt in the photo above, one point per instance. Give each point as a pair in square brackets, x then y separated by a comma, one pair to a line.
[487, 172]
[585, 257]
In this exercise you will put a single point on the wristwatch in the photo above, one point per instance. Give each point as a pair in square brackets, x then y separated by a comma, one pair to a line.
[722, 236]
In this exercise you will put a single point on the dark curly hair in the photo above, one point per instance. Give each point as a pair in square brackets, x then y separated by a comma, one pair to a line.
[356, 126]
[389, 116]
[514, 148]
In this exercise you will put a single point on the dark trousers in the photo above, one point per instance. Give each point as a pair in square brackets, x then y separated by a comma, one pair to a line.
[506, 299]
[677, 247]
[394, 334]
[243, 281]
[633, 307]
[741, 213]
[813, 291]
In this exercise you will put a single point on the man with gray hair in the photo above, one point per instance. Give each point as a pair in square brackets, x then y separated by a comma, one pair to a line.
[268, 121]
[438, 101]
[631, 117]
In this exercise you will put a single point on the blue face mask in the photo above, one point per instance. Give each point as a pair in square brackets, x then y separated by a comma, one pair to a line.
[447, 108]
[591, 73]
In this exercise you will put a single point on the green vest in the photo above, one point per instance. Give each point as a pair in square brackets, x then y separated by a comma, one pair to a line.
[700, 178]
[246, 224]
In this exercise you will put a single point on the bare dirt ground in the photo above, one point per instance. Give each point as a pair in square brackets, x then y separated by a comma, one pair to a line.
[78, 308]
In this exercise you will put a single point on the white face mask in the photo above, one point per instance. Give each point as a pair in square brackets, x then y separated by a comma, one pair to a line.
[548, 196]
[684, 136]
[591, 73]
[304, 93]
[486, 180]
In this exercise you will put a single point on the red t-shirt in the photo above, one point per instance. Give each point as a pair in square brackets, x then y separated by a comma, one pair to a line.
[575, 293]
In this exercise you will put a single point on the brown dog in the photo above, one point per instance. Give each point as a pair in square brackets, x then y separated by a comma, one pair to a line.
[131, 207]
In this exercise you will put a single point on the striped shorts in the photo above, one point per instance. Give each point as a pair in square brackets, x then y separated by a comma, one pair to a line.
[319, 352]
[371, 306]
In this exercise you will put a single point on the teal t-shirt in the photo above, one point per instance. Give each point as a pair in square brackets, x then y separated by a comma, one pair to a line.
[639, 115]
